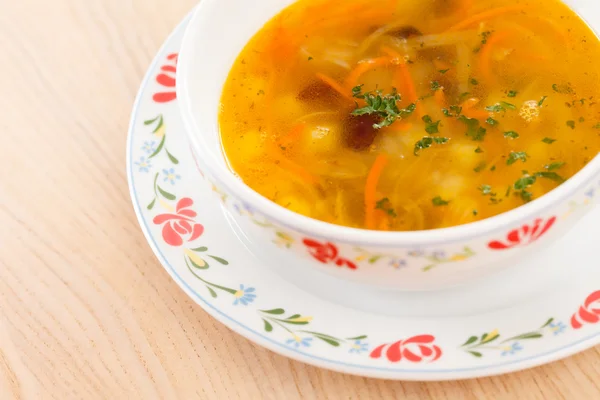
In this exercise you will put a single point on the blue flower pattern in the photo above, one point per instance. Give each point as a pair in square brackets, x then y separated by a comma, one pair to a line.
[244, 296]
[149, 147]
[298, 342]
[512, 349]
[171, 176]
[359, 347]
[144, 164]
[557, 328]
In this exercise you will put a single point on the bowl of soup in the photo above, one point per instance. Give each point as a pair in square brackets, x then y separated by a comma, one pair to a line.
[400, 143]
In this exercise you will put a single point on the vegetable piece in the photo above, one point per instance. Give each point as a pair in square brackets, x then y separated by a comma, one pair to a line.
[405, 32]
[360, 131]
[319, 91]
[371, 189]
[515, 156]
[334, 84]
[363, 67]
[486, 15]
[438, 201]
[384, 107]
[430, 126]
[427, 142]
[485, 57]
[474, 131]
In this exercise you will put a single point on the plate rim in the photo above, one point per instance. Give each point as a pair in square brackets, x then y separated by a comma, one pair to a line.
[410, 374]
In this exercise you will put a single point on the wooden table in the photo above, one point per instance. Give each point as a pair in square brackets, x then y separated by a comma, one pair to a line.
[86, 311]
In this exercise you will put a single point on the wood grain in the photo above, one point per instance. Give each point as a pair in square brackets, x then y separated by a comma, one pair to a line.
[86, 311]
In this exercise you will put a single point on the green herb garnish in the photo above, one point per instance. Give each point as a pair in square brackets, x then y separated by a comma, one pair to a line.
[435, 85]
[438, 201]
[512, 93]
[383, 106]
[431, 127]
[571, 124]
[478, 150]
[474, 82]
[310, 59]
[511, 134]
[480, 167]
[454, 111]
[501, 106]
[491, 121]
[486, 190]
[548, 140]
[474, 131]
[515, 156]
[564, 88]
[427, 142]
[554, 166]
[443, 71]
[385, 206]
[541, 102]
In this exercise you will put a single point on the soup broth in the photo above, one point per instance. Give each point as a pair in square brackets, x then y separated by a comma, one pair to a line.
[405, 115]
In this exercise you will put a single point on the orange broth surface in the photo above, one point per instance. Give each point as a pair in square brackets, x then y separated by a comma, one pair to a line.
[403, 115]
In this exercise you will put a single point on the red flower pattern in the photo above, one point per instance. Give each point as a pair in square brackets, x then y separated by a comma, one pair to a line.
[525, 235]
[327, 253]
[180, 225]
[167, 79]
[589, 313]
[416, 349]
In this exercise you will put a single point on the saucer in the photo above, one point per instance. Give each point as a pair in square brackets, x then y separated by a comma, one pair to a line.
[541, 309]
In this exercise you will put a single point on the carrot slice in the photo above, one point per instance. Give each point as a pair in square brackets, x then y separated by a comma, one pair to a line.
[334, 84]
[485, 57]
[470, 103]
[371, 190]
[440, 97]
[496, 12]
[411, 90]
[293, 136]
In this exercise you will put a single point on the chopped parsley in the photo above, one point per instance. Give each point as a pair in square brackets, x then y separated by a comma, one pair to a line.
[486, 190]
[491, 121]
[310, 58]
[435, 85]
[493, 168]
[554, 166]
[511, 135]
[478, 150]
[463, 96]
[501, 106]
[438, 201]
[548, 140]
[453, 111]
[475, 212]
[383, 106]
[541, 102]
[571, 124]
[474, 82]
[581, 119]
[443, 71]
[385, 206]
[563, 88]
[512, 93]
[480, 167]
[597, 126]
[474, 131]
[430, 126]
[427, 142]
[485, 36]
[522, 185]
[515, 156]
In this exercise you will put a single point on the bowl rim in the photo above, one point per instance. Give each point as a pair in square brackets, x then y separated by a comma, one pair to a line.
[194, 128]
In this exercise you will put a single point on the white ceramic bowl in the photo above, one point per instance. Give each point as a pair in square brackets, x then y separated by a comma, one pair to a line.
[424, 260]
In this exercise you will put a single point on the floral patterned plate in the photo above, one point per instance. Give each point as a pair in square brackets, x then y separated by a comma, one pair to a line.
[544, 309]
